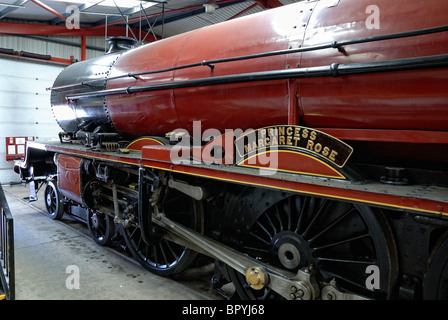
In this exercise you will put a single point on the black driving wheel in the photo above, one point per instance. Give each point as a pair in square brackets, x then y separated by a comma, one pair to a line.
[53, 201]
[164, 257]
[291, 232]
[101, 227]
[435, 285]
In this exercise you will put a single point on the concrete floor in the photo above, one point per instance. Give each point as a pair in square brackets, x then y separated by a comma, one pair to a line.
[47, 250]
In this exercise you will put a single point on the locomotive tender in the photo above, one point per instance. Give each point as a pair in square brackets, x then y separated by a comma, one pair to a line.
[302, 148]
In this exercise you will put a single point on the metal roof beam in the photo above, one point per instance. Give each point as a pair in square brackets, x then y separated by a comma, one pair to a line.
[54, 30]
[243, 11]
[49, 9]
[268, 4]
[7, 11]
[58, 41]
[100, 24]
[196, 11]
[127, 13]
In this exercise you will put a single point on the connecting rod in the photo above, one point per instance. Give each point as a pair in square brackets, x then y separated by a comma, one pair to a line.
[258, 274]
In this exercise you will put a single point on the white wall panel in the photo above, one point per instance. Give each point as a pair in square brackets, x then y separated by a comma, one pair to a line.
[25, 105]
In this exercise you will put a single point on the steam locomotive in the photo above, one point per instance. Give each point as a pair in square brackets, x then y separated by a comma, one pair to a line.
[303, 148]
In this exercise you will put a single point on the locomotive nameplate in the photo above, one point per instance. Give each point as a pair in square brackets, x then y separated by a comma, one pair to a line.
[294, 138]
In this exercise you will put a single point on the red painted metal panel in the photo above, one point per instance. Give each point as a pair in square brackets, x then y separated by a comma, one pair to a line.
[222, 106]
[407, 100]
[139, 114]
[158, 153]
[411, 100]
[69, 180]
[291, 162]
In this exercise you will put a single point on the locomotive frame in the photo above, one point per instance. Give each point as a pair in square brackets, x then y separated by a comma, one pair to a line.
[310, 227]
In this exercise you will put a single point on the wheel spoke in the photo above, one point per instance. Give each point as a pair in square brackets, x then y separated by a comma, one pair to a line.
[340, 239]
[173, 253]
[289, 212]
[265, 230]
[259, 238]
[315, 217]
[164, 255]
[161, 256]
[366, 262]
[331, 225]
[155, 258]
[271, 224]
[277, 215]
[297, 201]
[337, 243]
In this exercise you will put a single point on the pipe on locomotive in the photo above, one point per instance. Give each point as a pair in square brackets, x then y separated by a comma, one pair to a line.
[270, 70]
[333, 70]
[210, 63]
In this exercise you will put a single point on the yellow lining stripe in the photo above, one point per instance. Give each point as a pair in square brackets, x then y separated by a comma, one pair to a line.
[300, 191]
[338, 176]
[135, 141]
[137, 163]
[266, 185]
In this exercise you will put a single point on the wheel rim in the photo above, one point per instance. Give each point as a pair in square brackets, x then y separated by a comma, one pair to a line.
[339, 239]
[51, 200]
[101, 227]
[165, 257]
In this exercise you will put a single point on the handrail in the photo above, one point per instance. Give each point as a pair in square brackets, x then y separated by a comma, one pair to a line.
[7, 264]
[333, 70]
[211, 63]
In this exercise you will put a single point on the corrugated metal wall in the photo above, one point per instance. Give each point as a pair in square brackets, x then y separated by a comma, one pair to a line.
[35, 45]
[24, 101]
[25, 105]
[205, 19]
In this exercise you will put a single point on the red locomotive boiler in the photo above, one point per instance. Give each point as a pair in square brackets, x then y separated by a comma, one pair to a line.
[303, 148]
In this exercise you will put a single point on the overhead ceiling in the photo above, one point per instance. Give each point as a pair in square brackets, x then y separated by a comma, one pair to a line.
[160, 18]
